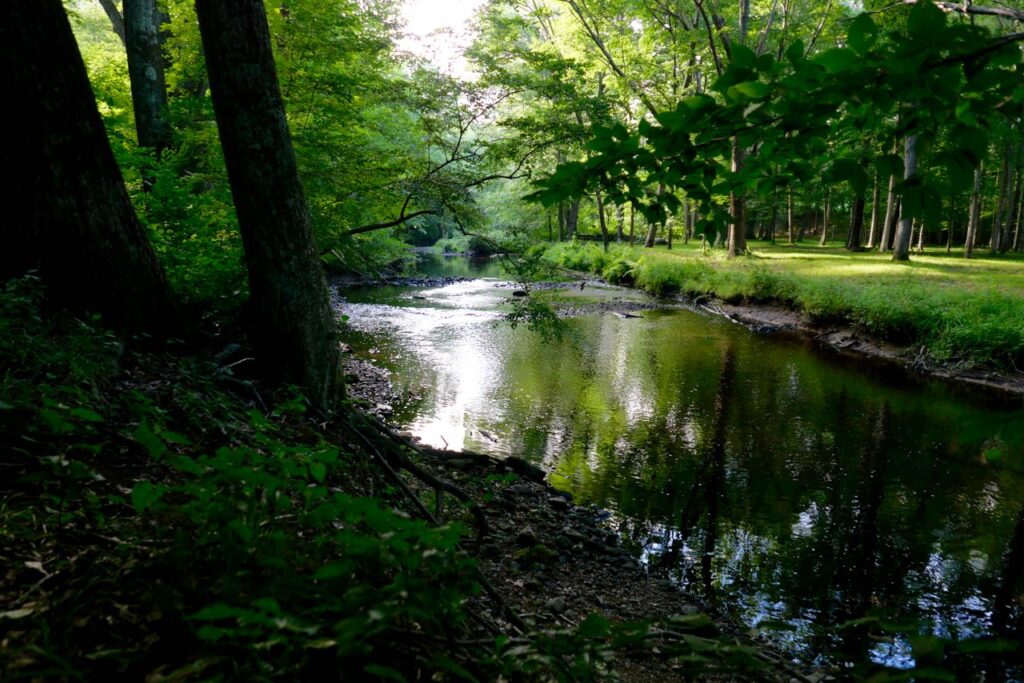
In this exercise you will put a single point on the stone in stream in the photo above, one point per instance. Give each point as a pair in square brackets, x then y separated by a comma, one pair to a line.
[520, 293]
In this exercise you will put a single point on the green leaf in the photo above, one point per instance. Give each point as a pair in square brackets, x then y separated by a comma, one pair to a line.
[862, 34]
[850, 171]
[149, 440]
[215, 612]
[837, 60]
[753, 90]
[318, 471]
[384, 673]
[743, 56]
[594, 626]
[146, 494]
[86, 414]
[926, 23]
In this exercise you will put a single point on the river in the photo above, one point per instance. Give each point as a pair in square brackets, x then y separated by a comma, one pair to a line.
[791, 489]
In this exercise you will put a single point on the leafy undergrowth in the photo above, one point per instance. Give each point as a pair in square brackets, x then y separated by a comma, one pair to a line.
[159, 522]
[963, 314]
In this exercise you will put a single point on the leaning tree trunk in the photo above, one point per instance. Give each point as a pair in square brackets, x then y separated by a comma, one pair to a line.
[901, 245]
[67, 212]
[116, 20]
[142, 23]
[294, 330]
[826, 217]
[975, 216]
[572, 219]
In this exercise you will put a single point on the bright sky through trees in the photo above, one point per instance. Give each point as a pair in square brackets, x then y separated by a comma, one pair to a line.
[437, 30]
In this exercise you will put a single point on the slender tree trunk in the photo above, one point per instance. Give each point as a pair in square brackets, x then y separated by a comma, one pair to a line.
[1017, 220]
[293, 324]
[826, 217]
[901, 246]
[949, 225]
[856, 223]
[66, 209]
[997, 218]
[875, 196]
[789, 215]
[632, 224]
[572, 219]
[975, 213]
[561, 221]
[602, 222]
[1005, 241]
[920, 236]
[686, 221]
[890, 211]
[737, 209]
[116, 20]
[620, 221]
[142, 23]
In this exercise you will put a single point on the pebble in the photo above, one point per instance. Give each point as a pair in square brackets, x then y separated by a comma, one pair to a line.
[556, 605]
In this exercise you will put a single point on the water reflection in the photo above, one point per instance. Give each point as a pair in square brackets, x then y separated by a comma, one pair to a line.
[782, 485]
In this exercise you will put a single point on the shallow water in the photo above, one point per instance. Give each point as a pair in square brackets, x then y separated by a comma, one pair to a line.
[792, 489]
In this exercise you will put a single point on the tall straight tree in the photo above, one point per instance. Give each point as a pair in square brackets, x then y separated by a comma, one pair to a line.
[901, 244]
[293, 327]
[67, 212]
[142, 21]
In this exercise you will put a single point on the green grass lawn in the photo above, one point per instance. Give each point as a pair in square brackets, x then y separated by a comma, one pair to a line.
[961, 310]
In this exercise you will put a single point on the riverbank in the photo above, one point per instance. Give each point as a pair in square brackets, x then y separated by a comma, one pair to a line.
[167, 517]
[957, 320]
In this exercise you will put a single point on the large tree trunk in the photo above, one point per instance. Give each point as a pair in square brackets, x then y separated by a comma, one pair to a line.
[67, 212]
[856, 223]
[901, 245]
[975, 215]
[572, 219]
[737, 239]
[142, 23]
[292, 322]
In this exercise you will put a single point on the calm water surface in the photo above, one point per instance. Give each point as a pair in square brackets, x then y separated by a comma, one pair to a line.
[791, 489]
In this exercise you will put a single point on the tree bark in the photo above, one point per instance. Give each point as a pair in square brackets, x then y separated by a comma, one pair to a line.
[67, 212]
[292, 321]
[1005, 241]
[856, 223]
[876, 195]
[975, 215]
[901, 246]
[620, 223]
[142, 22]
[997, 219]
[572, 219]
[116, 20]
[890, 212]
[737, 209]
[826, 217]
[602, 222]
[789, 215]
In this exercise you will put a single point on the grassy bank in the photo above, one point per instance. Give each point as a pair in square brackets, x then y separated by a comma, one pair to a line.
[966, 311]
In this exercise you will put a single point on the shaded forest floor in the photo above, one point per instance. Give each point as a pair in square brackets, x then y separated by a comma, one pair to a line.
[166, 517]
[939, 312]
